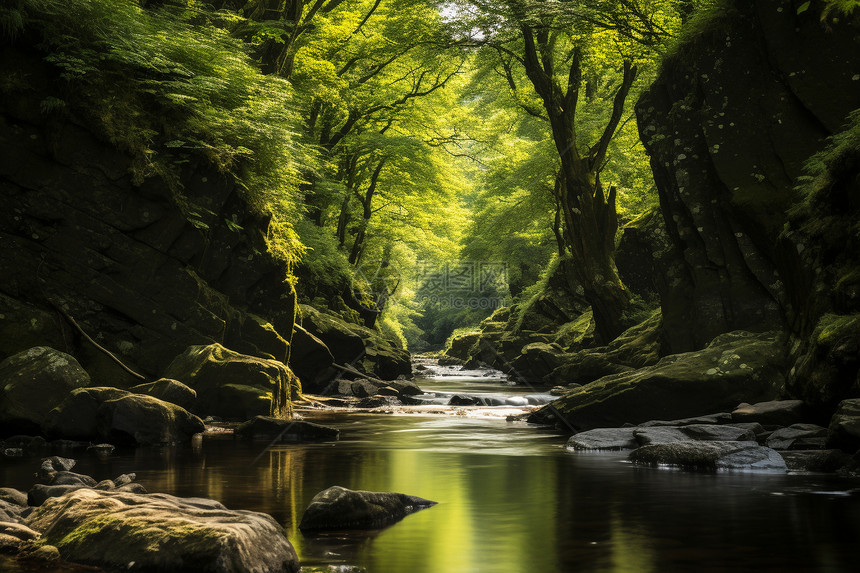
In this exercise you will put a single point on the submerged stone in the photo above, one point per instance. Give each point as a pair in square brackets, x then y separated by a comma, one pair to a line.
[285, 430]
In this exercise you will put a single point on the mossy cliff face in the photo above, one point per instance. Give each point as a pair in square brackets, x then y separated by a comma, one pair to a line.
[733, 115]
[142, 277]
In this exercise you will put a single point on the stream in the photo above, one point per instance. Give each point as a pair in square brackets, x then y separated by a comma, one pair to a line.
[511, 498]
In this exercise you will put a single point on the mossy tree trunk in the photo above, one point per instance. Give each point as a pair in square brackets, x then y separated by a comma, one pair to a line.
[588, 214]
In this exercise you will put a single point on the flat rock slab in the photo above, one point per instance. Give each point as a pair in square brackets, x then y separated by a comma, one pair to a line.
[815, 460]
[721, 418]
[285, 430]
[771, 413]
[710, 456]
[341, 508]
[699, 432]
[604, 439]
[798, 437]
[119, 530]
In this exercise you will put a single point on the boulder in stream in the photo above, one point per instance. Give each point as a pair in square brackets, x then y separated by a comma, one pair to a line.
[34, 381]
[710, 456]
[341, 508]
[159, 532]
[285, 430]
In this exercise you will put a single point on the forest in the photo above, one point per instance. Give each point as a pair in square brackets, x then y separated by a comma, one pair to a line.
[276, 275]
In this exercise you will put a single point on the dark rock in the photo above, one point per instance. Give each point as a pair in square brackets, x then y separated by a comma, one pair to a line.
[365, 349]
[363, 388]
[121, 417]
[817, 460]
[113, 529]
[76, 417]
[798, 437]
[39, 493]
[451, 361]
[772, 413]
[72, 478]
[721, 418]
[34, 381]
[50, 466]
[754, 427]
[168, 390]
[388, 391]
[311, 360]
[13, 496]
[405, 388]
[341, 508]
[698, 432]
[603, 439]
[285, 430]
[844, 429]
[709, 456]
[460, 347]
[143, 420]
[101, 449]
[124, 479]
[726, 155]
[464, 400]
[377, 402]
[234, 386]
[735, 367]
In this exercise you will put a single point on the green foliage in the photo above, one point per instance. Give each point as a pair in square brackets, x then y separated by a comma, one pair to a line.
[169, 85]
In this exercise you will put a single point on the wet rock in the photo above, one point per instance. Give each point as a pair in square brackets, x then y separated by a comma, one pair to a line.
[844, 429]
[464, 400]
[603, 439]
[377, 402]
[798, 437]
[101, 449]
[50, 466]
[709, 456]
[113, 529]
[341, 508]
[234, 386]
[34, 382]
[285, 430]
[771, 413]
[405, 387]
[168, 390]
[363, 388]
[721, 418]
[698, 432]
[815, 460]
[735, 367]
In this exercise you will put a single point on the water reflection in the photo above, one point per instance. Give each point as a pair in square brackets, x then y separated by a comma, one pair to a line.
[511, 500]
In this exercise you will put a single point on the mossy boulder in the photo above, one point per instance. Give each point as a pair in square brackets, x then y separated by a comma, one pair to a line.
[735, 367]
[366, 349]
[285, 430]
[828, 369]
[234, 386]
[461, 345]
[76, 417]
[172, 391]
[143, 420]
[32, 383]
[159, 532]
[120, 417]
[23, 326]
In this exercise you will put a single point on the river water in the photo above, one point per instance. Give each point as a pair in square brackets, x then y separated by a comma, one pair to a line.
[511, 498]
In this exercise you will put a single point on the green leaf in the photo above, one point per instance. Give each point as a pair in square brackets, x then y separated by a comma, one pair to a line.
[803, 8]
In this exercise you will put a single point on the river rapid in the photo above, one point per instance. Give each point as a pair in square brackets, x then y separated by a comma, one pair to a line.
[511, 498]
